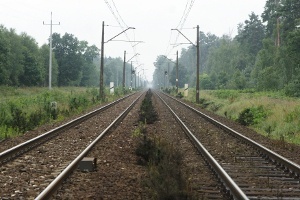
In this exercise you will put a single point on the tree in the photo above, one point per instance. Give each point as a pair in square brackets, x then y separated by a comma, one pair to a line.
[290, 16]
[113, 70]
[4, 51]
[33, 70]
[182, 76]
[163, 64]
[292, 65]
[69, 59]
[222, 61]
[251, 34]
[89, 72]
[206, 82]
[15, 58]
[271, 15]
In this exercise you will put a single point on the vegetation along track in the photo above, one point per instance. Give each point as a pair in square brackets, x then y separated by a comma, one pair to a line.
[259, 172]
[120, 174]
[24, 174]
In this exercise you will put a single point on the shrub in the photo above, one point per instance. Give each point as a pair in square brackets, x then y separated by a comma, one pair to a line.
[225, 94]
[251, 116]
[179, 95]
[166, 180]
[165, 177]
[147, 112]
[18, 121]
[76, 102]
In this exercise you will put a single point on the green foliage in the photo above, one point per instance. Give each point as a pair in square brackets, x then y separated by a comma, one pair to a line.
[293, 116]
[263, 56]
[272, 114]
[23, 63]
[147, 113]
[251, 116]
[76, 102]
[293, 89]
[20, 61]
[22, 110]
[164, 162]
[179, 95]
[19, 120]
[166, 180]
[251, 35]
[206, 82]
[226, 94]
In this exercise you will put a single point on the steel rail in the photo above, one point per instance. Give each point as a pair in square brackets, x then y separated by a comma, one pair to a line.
[29, 144]
[285, 163]
[54, 185]
[229, 184]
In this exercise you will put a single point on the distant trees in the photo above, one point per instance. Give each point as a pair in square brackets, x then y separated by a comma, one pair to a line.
[264, 55]
[74, 62]
[20, 61]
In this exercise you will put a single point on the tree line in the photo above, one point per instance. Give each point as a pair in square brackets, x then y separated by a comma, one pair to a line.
[264, 55]
[74, 62]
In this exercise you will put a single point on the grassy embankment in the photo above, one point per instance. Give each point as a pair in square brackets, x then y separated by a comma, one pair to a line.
[23, 109]
[270, 113]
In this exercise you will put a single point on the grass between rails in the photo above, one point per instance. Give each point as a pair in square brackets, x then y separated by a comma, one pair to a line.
[23, 109]
[165, 179]
[269, 113]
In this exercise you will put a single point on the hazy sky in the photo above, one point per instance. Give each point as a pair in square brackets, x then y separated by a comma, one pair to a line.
[152, 20]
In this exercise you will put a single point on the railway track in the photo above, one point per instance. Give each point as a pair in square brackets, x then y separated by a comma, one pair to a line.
[257, 171]
[231, 167]
[28, 168]
[118, 176]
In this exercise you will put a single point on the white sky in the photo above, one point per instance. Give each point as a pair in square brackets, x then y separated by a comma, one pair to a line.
[152, 19]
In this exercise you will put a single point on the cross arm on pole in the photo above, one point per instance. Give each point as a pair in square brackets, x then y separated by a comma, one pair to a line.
[119, 34]
[132, 57]
[169, 59]
[183, 36]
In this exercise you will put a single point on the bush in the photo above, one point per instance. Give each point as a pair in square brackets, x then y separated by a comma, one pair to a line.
[293, 89]
[179, 95]
[166, 180]
[22, 110]
[18, 121]
[147, 112]
[225, 94]
[165, 177]
[251, 116]
[78, 102]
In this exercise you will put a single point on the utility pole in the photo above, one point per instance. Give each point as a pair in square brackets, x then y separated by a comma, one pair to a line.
[176, 72]
[131, 72]
[50, 51]
[124, 70]
[135, 78]
[164, 72]
[198, 66]
[198, 60]
[168, 75]
[101, 92]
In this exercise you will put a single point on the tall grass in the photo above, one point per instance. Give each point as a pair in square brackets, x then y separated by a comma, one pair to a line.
[274, 115]
[23, 109]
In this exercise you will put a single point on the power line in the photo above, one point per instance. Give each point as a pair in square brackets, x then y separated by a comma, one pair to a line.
[183, 13]
[118, 18]
[182, 21]
[118, 13]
